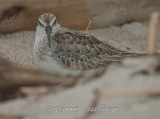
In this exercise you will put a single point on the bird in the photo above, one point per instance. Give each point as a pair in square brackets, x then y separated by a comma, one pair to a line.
[66, 51]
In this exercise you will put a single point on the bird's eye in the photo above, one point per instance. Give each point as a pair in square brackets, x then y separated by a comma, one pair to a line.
[54, 23]
[40, 23]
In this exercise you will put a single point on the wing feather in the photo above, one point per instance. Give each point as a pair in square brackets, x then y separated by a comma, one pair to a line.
[79, 51]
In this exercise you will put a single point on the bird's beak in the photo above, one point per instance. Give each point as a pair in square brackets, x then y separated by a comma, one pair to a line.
[49, 31]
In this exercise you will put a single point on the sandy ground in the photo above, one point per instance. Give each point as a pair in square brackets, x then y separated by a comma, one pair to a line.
[122, 90]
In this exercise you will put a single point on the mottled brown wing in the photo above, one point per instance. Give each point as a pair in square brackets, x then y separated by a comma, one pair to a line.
[79, 51]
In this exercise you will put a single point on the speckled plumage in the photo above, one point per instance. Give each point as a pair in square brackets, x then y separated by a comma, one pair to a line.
[71, 50]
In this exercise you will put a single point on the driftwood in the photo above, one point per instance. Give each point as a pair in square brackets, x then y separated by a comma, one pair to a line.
[15, 80]
[153, 33]
[12, 78]
[23, 14]
[10, 117]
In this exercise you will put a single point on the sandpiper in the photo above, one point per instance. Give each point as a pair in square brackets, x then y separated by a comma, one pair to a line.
[59, 49]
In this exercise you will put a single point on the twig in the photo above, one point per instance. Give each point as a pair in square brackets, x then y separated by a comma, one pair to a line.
[10, 117]
[153, 33]
[149, 92]
[93, 104]
[106, 95]
[89, 25]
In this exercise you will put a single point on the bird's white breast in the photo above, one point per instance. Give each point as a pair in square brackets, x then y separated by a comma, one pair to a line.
[50, 64]
[45, 60]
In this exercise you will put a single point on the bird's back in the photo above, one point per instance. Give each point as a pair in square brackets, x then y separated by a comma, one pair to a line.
[79, 51]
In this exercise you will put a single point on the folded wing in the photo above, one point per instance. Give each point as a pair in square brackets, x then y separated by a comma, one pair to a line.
[78, 51]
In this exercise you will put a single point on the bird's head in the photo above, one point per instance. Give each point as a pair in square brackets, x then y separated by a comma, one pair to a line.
[48, 23]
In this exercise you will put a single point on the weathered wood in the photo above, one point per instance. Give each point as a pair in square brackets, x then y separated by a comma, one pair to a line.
[16, 15]
[10, 117]
[12, 78]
